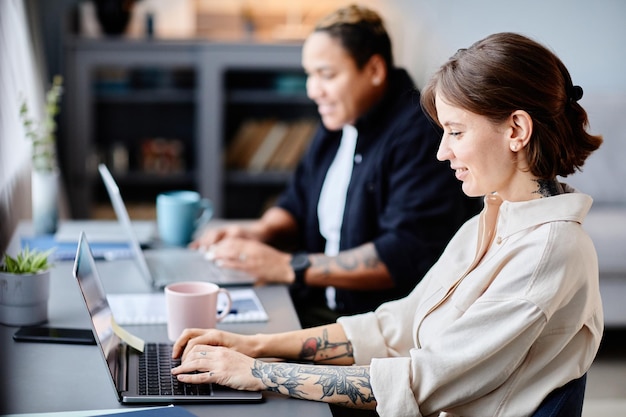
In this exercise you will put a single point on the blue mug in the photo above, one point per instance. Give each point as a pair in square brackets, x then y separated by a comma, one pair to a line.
[180, 214]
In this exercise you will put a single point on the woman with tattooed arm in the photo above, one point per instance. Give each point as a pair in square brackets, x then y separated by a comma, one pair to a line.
[510, 312]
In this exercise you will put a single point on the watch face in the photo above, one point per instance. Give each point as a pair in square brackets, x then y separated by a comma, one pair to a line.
[300, 261]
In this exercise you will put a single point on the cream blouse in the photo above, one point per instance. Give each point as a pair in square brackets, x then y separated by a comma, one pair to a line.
[510, 312]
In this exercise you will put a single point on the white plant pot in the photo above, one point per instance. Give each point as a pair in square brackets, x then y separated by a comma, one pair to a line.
[45, 199]
[24, 298]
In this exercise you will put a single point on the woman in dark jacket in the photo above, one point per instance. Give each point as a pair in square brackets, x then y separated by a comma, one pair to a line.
[369, 208]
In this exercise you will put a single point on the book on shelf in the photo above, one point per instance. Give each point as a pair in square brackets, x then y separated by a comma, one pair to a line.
[274, 138]
[246, 142]
[293, 147]
[262, 145]
[274, 163]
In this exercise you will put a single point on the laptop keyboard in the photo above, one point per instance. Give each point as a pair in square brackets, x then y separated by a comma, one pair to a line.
[171, 265]
[155, 377]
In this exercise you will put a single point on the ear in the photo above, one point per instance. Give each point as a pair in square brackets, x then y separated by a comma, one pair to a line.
[521, 125]
[377, 69]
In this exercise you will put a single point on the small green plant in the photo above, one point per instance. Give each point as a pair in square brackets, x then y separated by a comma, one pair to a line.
[27, 262]
[42, 135]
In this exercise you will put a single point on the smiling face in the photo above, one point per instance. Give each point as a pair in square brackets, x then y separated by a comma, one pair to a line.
[485, 156]
[341, 91]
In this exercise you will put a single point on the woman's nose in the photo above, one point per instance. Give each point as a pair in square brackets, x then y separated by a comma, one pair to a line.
[444, 153]
[313, 90]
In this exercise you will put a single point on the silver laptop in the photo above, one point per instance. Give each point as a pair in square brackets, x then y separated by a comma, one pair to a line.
[132, 372]
[163, 266]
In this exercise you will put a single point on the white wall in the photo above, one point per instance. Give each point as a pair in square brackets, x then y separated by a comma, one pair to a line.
[588, 35]
[19, 81]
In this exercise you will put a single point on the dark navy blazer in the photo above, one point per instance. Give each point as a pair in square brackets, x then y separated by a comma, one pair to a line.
[400, 197]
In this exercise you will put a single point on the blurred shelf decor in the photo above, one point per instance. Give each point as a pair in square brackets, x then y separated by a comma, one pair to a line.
[232, 20]
[204, 95]
[229, 120]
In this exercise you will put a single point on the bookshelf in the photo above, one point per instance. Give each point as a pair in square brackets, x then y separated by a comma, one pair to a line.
[169, 115]
[269, 122]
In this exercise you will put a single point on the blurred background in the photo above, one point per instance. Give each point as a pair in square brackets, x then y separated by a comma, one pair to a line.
[203, 95]
[164, 91]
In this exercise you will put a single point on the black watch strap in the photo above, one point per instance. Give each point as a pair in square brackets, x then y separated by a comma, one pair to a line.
[300, 263]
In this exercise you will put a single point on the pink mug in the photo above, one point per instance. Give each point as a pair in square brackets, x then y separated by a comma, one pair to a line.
[193, 304]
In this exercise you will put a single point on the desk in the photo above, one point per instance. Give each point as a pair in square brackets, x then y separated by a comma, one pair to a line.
[39, 377]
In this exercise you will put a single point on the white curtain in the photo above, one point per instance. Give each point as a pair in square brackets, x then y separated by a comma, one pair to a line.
[19, 79]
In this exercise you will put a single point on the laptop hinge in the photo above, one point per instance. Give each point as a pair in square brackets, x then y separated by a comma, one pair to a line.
[122, 367]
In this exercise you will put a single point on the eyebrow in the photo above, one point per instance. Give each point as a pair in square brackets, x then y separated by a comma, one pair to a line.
[452, 124]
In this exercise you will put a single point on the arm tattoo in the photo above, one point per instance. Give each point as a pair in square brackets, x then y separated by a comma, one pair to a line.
[322, 262]
[547, 188]
[351, 384]
[319, 350]
[347, 261]
[370, 256]
[365, 255]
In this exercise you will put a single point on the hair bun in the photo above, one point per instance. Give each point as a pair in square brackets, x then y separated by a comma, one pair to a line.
[576, 93]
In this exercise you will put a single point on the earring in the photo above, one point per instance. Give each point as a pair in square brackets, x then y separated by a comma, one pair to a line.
[376, 81]
[514, 147]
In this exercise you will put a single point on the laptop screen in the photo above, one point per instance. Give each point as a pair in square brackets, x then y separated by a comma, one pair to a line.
[124, 219]
[97, 305]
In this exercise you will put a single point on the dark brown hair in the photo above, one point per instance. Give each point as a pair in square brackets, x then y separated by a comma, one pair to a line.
[360, 31]
[506, 72]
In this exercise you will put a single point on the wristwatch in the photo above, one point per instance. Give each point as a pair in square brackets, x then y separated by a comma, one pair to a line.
[300, 263]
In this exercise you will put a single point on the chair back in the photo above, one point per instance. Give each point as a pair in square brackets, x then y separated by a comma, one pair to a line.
[566, 401]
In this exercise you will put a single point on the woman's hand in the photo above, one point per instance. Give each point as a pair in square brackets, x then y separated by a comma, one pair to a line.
[264, 262]
[216, 356]
[276, 225]
[212, 236]
[245, 344]
[205, 364]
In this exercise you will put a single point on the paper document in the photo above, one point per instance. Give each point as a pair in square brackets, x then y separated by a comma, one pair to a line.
[131, 340]
[105, 231]
[132, 309]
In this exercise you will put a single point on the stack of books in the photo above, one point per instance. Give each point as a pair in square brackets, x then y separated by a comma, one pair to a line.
[269, 144]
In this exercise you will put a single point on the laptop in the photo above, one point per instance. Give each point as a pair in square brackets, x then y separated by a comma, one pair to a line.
[139, 377]
[163, 266]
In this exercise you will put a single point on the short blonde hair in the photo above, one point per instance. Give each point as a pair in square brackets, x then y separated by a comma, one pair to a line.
[360, 31]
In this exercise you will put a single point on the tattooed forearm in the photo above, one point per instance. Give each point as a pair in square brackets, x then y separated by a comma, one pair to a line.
[347, 385]
[348, 261]
[370, 256]
[321, 262]
[364, 256]
[320, 350]
[547, 188]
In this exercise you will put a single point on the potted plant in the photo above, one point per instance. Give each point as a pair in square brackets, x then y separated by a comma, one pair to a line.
[25, 288]
[45, 169]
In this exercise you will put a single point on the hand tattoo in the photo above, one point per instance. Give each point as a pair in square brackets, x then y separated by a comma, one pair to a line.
[319, 350]
[287, 378]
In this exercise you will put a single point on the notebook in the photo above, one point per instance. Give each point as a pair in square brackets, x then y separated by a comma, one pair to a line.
[132, 371]
[149, 308]
[163, 266]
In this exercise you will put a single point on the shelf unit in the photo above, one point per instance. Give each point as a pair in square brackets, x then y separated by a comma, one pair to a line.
[135, 103]
[277, 98]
